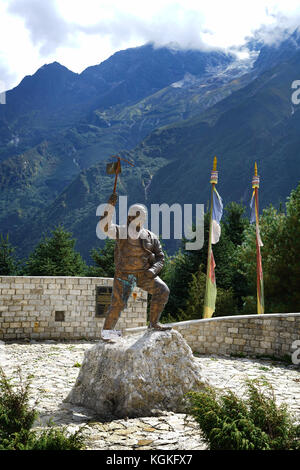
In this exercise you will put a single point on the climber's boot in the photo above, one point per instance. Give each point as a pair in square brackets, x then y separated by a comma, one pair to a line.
[155, 313]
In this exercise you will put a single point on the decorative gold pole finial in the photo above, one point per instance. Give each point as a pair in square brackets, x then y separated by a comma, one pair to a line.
[215, 164]
[255, 179]
[214, 173]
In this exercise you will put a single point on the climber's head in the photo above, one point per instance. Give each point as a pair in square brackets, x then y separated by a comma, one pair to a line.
[137, 216]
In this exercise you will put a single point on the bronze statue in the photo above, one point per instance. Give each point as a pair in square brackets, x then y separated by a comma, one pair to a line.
[138, 260]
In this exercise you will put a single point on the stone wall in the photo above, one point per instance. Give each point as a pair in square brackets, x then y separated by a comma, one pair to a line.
[249, 335]
[65, 308]
[59, 307]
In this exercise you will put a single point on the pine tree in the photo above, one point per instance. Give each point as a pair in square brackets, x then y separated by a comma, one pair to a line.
[55, 256]
[225, 302]
[195, 301]
[289, 266]
[178, 278]
[234, 222]
[234, 226]
[280, 234]
[8, 263]
[185, 265]
[104, 260]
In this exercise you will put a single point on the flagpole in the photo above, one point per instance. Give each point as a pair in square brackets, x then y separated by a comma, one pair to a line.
[259, 273]
[213, 181]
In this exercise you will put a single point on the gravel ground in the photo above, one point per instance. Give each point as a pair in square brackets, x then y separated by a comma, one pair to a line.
[53, 368]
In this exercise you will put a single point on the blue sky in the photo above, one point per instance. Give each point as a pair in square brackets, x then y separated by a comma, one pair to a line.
[80, 33]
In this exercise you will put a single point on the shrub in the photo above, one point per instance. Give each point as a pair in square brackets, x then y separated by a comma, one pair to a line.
[249, 305]
[17, 418]
[49, 439]
[15, 413]
[255, 423]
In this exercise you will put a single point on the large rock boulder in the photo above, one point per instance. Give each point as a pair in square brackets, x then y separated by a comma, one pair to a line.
[137, 376]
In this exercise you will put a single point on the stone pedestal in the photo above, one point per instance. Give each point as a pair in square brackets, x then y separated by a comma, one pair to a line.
[137, 376]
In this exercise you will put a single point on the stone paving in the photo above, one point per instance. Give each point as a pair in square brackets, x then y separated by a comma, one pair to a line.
[53, 367]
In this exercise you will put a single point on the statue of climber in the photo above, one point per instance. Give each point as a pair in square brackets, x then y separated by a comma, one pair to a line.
[138, 260]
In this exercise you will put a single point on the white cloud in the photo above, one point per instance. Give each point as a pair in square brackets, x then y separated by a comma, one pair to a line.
[79, 34]
[47, 28]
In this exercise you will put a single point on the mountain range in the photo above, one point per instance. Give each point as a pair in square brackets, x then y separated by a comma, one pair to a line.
[168, 110]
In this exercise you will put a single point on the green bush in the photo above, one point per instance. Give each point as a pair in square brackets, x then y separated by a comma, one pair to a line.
[255, 423]
[249, 305]
[15, 413]
[49, 439]
[17, 418]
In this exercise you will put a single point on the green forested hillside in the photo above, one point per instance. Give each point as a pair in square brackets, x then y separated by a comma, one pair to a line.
[57, 123]
[257, 123]
[171, 126]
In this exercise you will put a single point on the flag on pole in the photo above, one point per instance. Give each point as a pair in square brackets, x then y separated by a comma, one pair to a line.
[254, 218]
[216, 211]
[211, 288]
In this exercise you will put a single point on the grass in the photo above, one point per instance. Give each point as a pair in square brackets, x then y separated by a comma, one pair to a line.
[238, 354]
[286, 358]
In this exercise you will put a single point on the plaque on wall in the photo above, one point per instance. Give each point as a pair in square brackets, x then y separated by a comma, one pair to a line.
[103, 299]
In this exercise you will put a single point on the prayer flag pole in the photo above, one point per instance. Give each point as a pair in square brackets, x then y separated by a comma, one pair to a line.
[259, 271]
[211, 289]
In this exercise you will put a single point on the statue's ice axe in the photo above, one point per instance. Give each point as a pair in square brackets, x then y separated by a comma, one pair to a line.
[114, 168]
